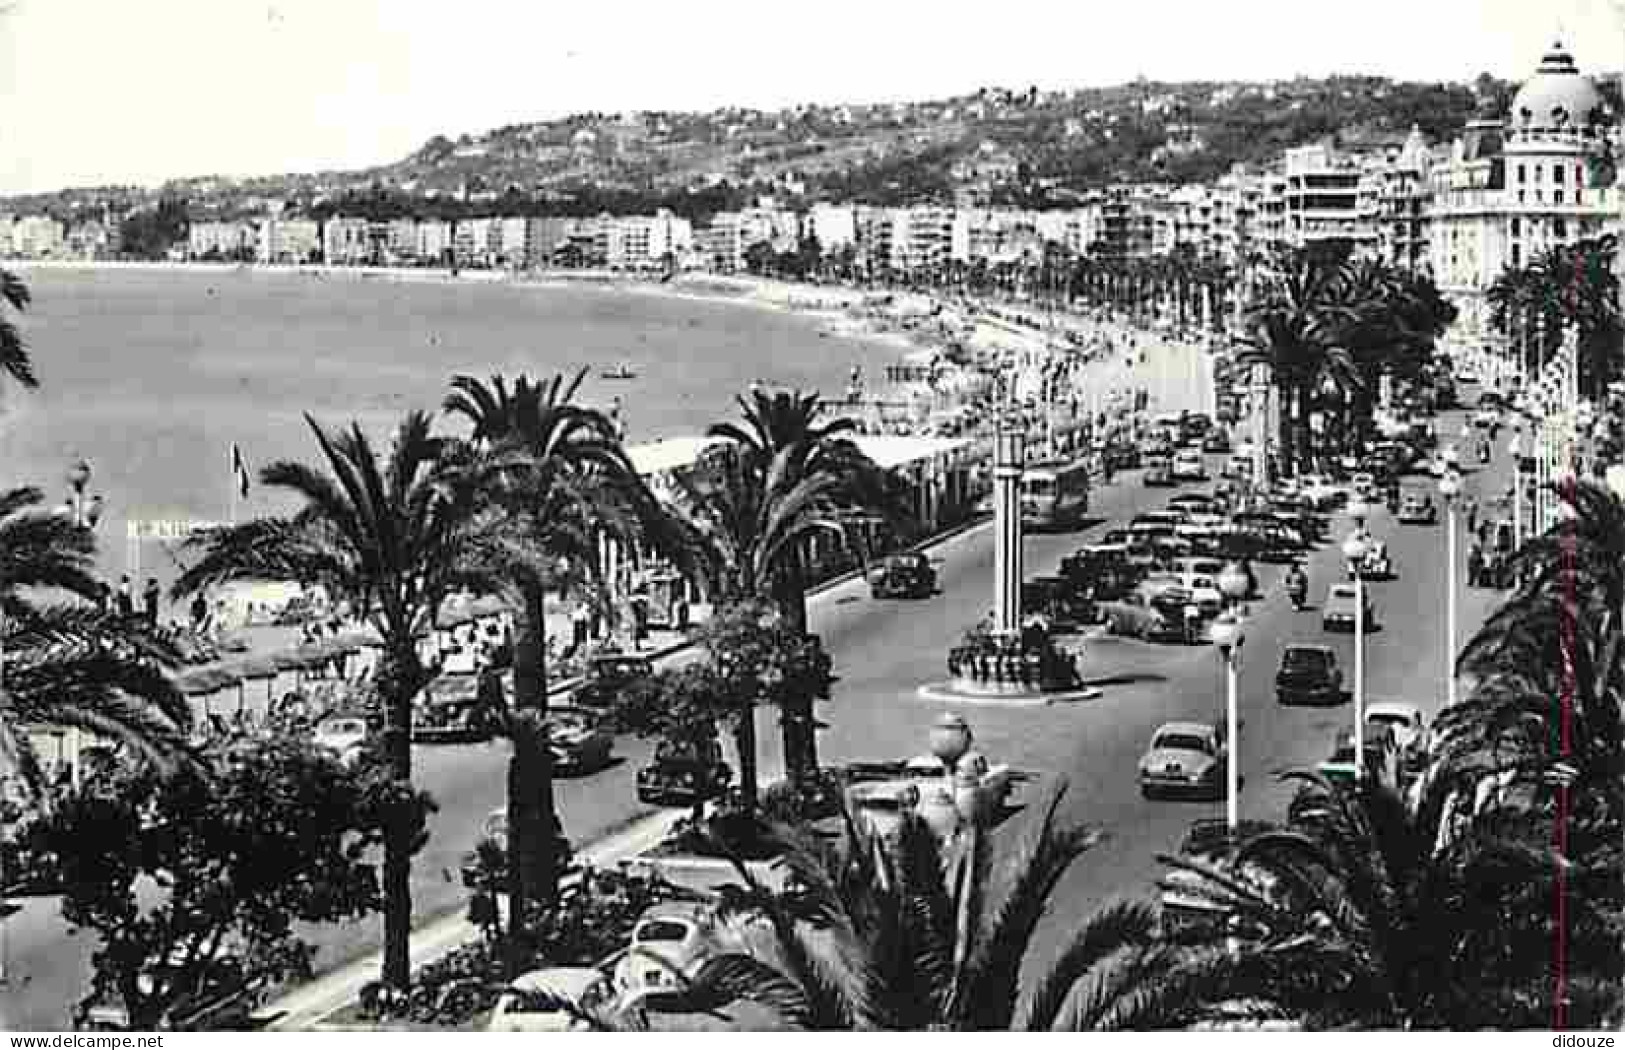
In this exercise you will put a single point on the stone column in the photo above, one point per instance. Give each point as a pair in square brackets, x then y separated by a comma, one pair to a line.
[1008, 457]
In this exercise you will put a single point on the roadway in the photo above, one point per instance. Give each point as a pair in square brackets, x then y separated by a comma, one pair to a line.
[884, 651]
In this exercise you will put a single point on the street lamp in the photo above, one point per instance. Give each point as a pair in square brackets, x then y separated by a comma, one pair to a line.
[1358, 510]
[1228, 636]
[1234, 583]
[1354, 549]
[1515, 448]
[1449, 487]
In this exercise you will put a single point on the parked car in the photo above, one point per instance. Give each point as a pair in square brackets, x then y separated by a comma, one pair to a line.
[606, 677]
[669, 944]
[579, 741]
[1320, 492]
[1059, 600]
[221, 997]
[907, 575]
[1382, 758]
[1308, 674]
[683, 776]
[1408, 726]
[449, 712]
[533, 1002]
[1101, 571]
[1184, 758]
[1159, 471]
[1216, 441]
[1417, 508]
[1338, 614]
[1188, 466]
[343, 735]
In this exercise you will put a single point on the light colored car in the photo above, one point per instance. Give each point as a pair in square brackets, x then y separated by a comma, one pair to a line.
[1486, 418]
[1364, 484]
[1188, 465]
[343, 735]
[1418, 509]
[580, 744]
[671, 936]
[1407, 724]
[531, 1002]
[1321, 492]
[1184, 758]
[1338, 612]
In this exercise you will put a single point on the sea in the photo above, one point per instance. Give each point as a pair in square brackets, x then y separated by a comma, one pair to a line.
[151, 376]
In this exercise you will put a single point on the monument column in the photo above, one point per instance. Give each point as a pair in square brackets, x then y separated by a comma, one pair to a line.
[1008, 457]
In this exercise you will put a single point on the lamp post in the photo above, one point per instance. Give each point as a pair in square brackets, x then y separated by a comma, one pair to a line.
[78, 476]
[1449, 487]
[1354, 549]
[1228, 636]
[1515, 448]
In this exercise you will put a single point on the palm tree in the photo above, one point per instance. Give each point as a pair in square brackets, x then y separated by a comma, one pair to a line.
[555, 477]
[67, 663]
[893, 933]
[14, 358]
[385, 532]
[1346, 917]
[811, 469]
[1294, 327]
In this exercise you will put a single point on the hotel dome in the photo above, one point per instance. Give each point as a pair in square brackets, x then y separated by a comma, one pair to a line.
[1556, 98]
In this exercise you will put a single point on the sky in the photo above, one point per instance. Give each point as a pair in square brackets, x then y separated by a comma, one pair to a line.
[136, 91]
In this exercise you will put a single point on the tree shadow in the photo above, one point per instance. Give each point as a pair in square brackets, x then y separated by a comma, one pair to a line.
[1126, 678]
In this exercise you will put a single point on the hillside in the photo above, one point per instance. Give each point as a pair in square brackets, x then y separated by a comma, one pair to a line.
[996, 146]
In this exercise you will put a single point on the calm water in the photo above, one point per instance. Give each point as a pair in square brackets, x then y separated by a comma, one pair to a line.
[152, 375]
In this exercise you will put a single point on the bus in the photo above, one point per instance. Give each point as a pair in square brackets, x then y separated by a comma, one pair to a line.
[1055, 495]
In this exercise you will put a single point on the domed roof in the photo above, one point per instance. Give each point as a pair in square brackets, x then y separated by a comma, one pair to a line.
[1556, 98]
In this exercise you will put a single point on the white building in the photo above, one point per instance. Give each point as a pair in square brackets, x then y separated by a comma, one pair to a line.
[345, 241]
[834, 225]
[1513, 188]
[36, 236]
[220, 240]
[508, 241]
[288, 241]
[432, 241]
[471, 242]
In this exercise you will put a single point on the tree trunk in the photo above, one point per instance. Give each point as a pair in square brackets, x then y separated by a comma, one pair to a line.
[796, 718]
[532, 868]
[399, 680]
[745, 744]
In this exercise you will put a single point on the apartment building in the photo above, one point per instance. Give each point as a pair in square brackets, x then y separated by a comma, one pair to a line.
[346, 241]
[471, 243]
[281, 240]
[1514, 186]
[509, 242]
[1323, 197]
[221, 241]
[37, 237]
[834, 225]
[432, 241]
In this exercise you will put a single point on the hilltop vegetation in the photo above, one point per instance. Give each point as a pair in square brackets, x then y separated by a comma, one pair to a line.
[994, 146]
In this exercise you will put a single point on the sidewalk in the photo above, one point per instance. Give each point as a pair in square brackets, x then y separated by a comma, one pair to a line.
[303, 1007]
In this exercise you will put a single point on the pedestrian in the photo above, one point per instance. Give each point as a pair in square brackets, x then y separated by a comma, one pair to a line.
[149, 601]
[124, 601]
[580, 625]
[104, 597]
[1472, 515]
[199, 610]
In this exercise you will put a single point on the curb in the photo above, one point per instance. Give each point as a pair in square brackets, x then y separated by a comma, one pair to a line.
[303, 1008]
[942, 693]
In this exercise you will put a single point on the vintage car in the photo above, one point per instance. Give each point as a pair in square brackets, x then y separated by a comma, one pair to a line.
[1376, 565]
[1155, 617]
[551, 1000]
[1189, 466]
[1216, 441]
[903, 576]
[1308, 675]
[1192, 503]
[449, 711]
[221, 997]
[1339, 612]
[605, 678]
[580, 743]
[1121, 457]
[1184, 758]
[1405, 721]
[1101, 571]
[684, 775]
[669, 943]
[1383, 764]
[343, 735]
[1061, 602]
[1159, 471]
[1417, 508]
